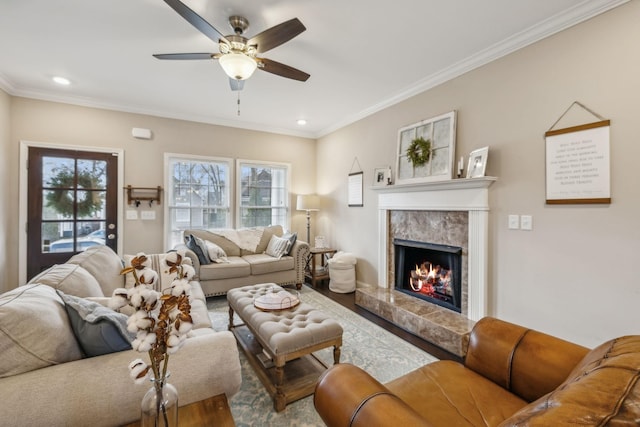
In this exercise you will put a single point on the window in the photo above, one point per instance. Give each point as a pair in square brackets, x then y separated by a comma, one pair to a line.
[263, 190]
[197, 194]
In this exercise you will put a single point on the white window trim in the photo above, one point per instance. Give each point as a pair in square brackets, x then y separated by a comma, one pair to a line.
[238, 182]
[169, 156]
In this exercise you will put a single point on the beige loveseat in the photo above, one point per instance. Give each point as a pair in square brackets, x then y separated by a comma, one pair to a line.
[248, 265]
[44, 379]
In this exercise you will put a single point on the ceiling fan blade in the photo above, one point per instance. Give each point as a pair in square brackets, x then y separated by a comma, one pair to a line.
[181, 56]
[275, 36]
[236, 84]
[281, 69]
[196, 20]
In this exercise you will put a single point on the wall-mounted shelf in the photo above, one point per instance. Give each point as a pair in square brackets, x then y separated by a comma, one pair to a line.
[135, 195]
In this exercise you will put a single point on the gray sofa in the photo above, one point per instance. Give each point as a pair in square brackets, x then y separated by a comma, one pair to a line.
[44, 379]
[244, 266]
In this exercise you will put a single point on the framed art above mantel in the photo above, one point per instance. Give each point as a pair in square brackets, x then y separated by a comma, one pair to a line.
[426, 150]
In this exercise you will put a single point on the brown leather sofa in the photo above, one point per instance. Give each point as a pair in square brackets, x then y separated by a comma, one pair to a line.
[511, 376]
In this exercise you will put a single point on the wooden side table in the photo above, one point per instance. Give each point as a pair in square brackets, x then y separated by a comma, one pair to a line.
[213, 411]
[311, 273]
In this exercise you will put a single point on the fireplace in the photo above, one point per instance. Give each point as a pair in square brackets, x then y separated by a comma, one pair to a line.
[452, 213]
[429, 271]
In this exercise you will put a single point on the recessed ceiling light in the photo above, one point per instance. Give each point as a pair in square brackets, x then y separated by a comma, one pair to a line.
[301, 122]
[61, 81]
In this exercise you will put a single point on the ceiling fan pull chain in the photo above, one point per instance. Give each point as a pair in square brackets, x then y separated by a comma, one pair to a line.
[238, 102]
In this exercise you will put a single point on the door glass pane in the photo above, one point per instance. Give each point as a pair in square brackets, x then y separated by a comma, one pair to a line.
[57, 172]
[91, 204]
[57, 236]
[92, 174]
[57, 204]
[90, 233]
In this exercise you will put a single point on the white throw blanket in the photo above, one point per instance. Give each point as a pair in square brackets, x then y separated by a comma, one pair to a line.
[246, 238]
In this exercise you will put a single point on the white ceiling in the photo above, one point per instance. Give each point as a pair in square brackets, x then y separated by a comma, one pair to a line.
[362, 55]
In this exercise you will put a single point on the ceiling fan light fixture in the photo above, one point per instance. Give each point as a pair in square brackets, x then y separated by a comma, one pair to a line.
[238, 66]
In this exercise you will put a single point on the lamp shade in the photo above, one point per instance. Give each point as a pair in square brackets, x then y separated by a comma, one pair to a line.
[237, 65]
[308, 202]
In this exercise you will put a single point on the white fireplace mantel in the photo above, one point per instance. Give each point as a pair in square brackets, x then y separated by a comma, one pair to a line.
[469, 195]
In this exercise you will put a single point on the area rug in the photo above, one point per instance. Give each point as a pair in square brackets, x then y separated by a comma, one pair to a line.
[381, 353]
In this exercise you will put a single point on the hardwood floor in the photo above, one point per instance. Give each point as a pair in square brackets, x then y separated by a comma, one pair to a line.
[348, 301]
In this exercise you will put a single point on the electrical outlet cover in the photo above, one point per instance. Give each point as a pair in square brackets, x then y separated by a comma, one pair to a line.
[148, 215]
[514, 222]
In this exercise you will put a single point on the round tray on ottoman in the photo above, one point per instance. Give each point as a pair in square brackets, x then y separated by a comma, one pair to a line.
[276, 300]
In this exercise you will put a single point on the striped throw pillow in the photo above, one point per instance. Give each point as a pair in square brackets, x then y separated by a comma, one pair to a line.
[277, 247]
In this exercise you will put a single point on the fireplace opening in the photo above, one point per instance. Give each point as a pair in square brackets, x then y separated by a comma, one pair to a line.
[429, 271]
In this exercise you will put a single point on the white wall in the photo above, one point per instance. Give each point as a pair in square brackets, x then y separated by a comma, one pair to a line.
[5, 236]
[575, 274]
[48, 122]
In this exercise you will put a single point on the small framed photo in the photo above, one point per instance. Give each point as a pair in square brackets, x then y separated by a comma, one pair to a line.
[477, 162]
[381, 176]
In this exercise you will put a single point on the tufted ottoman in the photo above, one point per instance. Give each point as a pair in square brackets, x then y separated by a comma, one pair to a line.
[273, 339]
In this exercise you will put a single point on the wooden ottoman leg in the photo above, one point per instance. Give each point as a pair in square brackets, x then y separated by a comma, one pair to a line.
[230, 318]
[336, 354]
[279, 401]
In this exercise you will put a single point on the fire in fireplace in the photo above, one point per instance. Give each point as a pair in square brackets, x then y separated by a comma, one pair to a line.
[429, 271]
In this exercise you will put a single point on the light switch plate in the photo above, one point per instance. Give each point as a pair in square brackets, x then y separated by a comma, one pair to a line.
[514, 222]
[148, 215]
[132, 214]
[526, 222]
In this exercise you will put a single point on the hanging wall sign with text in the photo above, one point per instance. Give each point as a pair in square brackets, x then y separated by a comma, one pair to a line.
[577, 164]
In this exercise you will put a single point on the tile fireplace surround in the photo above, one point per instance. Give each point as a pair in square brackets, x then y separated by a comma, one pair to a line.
[453, 213]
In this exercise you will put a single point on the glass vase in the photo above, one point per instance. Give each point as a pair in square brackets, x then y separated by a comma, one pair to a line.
[160, 405]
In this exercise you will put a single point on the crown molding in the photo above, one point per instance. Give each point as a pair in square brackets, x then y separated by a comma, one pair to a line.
[555, 24]
[6, 86]
[94, 103]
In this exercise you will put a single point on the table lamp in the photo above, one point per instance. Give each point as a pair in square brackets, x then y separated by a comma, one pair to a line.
[308, 203]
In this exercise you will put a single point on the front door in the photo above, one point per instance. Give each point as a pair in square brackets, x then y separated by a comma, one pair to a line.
[72, 204]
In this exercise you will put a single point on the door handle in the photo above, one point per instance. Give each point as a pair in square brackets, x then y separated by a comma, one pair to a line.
[111, 227]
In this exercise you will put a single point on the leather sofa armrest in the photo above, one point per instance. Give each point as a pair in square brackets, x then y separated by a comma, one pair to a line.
[348, 396]
[528, 363]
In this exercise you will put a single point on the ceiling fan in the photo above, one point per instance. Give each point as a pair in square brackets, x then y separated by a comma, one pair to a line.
[238, 55]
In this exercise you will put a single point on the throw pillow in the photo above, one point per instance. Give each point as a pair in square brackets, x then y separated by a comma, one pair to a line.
[70, 279]
[277, 246]
[193, 243]
[158, 263]
[98, 329]
[291, 237]
[34, 330]
[216, 253]
[103, 264]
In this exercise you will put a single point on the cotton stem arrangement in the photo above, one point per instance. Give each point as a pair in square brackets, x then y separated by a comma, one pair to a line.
[161, 320]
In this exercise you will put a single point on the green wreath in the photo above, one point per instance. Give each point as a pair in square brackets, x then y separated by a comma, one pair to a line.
[62, 196]
[419, 151]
